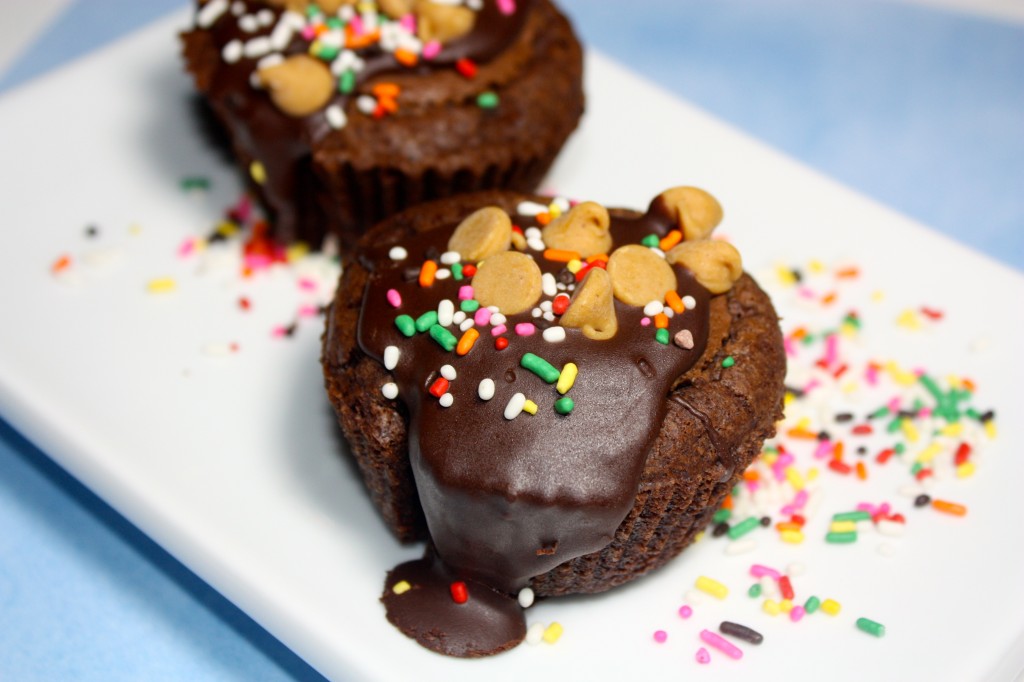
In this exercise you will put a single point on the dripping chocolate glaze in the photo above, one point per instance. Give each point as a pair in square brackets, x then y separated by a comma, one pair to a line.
[281, 143]
[509, 500]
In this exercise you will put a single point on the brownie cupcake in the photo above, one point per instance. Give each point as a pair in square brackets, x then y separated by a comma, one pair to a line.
[557, 397]
[342, 112]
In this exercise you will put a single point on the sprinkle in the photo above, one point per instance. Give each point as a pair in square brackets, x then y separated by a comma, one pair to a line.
[740, 631]
[785, 587]
[161, 285]
[720, 643]
[561, 255]
[390, 390]
[653, 308]
[871, 627]
[488, 100]
[406, 325]
[660, 636]
[394, 298]
[670, 240]
[564, 405]
[567, 377]
[541, 367]
[554, 334]
[525, 329]
[662, 336]
[811, 605]
[426, 321]
[515, 406]
[445, 312]
[712, 587]
[398, 253]
[690, 302]
[831, 607]
[525, 597]
[535, 633]
[500, 343]
[336, 117]
[401, 587]
[444, 338]
[949, 507]
[391, 355]
[684, 339]
[486, 389]
[61, 264]
[744, 527]
[466, 67]
[729, 361]
[530, 407]
[446, 400]
[674, 302]
[465, 344]
[257, 172]
[553, 633]
[459, 592]
[428, 271]
[771, 607]
[439, 387]
[507, 7]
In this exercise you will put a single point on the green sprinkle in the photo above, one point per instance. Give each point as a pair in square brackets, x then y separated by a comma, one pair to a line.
[541, 367]
[916, 467]
[470, 306]
[852, 516]
[426, 321]
[744, 527]
[880, 412]
[651, 241]
[899, 448]
[406, 325]
[488, 100]
[811, 605]
[328, 52]
[456, 269]
[312, 11]
[871, 627]
[444, 338]
[334, 22]
[662, 337]
[755, 590]
[564, 405]
[729, 361]
[841, 538]
[195, 182]
[347, 82]
[973, 413]
[721, 515]
[894, 425]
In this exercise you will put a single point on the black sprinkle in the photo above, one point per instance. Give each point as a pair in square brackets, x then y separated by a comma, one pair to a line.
[432, 253]
[720, 529]
[862, 451]
[798, 392]
[91, 231]
[290, 329]
[216, 236]
[797, 275]
[740, 632]
[987, 416]
[565, 276]
[922, 500]
[410, 274]
[843, 417]
[766, 521]
[542, 323]
[824, 435]
[910, 414]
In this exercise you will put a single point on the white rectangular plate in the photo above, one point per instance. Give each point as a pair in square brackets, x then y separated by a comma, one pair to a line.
[234, 465]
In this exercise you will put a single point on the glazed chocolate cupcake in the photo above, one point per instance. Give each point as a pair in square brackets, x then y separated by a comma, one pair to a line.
[557, 397]
[342, 113]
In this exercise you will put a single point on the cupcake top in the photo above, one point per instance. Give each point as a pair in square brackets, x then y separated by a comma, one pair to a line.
[534, 352]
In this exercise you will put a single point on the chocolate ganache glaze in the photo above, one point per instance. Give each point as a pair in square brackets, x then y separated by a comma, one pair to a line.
[276, 145]
[509, 495]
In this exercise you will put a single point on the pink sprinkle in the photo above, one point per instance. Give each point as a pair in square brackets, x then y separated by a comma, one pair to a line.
[883, 508]
[482, 316]
[703, 657]
[800, 499]
[787, 343]
[796, 613]
[723, 645]
[752, 486]
[394, 298]
[498, 330]
[685, 611]
[279, 332]
[759, 571]
[924, 412]
[465, 293]
[243, 210]
[257, 261]
[824, 449]
[525, 328]
[894, 404]
[308, 32]
[831, 348]
[871, 375]
[660, 636]
[866, 507]
[358, 28]
[431, 49]
[408, 22]
[306, 284]
[308, 311]
[804, 292]
[507, 6]
[187, 247]
[645, 322]
[811, 385]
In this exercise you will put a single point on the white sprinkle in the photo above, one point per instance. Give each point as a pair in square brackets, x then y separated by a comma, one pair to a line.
[741, 546]
[533, 233]
[390, 390]
[210, 13]
[550, 317]
[103, 258]
[332, 38]
[248, 23]
[445, 312]
[653, 308]
[459, 317]
[347, 13]
[391, 355]
[232, 52]
[238, 8]
[694, 597]
[450, 257]
[554, 334]
[366, 104]
[475, 5]
[265, 17]
[272, 59]
[257, 47]
[398, 253]
[561, 203]
[536, 244]
[448, 372]
[442, 273]
[497, 318]
[690, 302]
[466, 324]
[515, 406]
[769, 588]
[535, 633]
[531, 208]
[294, 19]
[891, 528]
[548, 284]
[561, 287]
[536, 312]
[255, 82]
[446, 400]
[545, 306]
[336, 117]
[795, 569]
[668, 312]
[525, 597]
[486, 389]
[657, 251]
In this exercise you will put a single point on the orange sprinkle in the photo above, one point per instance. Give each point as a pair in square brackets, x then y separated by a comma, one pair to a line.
[751, 475]
[783, 526]
[670, 240]
[848, 273]
[862, 471]
[386, 90]
[661, 321]
[466, 342]
[829, 298]
[837, 451]
[802, 433]
[354, 42]
[799, 333]
[949, 507]
[387, 104]
[543, 219]
[674, 302]
[61, 264]
[427, 273]
[561, 255]
[969, 385]
[406, 57]
[603, 257]
[727, 502]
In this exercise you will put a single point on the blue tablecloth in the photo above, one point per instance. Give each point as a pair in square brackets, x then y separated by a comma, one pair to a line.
[917, 107]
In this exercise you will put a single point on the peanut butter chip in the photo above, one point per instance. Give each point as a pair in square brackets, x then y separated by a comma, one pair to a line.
[639, 275]
[483, 233]
[715, 264]
[695, 211]
[509, 280]
[584, 229]
[592, 308]
[443, 21]
[299, 86]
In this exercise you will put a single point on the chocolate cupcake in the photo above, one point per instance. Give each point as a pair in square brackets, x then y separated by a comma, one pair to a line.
[557, 397]
[342, 113]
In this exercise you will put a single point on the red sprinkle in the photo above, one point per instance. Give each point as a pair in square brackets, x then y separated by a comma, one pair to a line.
[786, 587]
[883, 456]
[466, 67]
[460, 595]
[501, 343]
[923, 474]
[962, 453]
[560, 304]
[468, 270]
[439, 387]
[931, 313]
[839, 467]
[862, 429]
[244, 303]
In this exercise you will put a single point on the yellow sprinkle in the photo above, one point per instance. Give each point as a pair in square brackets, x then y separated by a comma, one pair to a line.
[769, 457]
[816, 266]
[928, 454]
[878, 296]
[965, 470]
[804, 424]
[257, 172]
[296, 251]
[850, 387]
[789, 398]
[314, 47]
[793, 537]
[831, 606]
[567, 377]
[843, 526]
[952, 430]
[909, 320]
[712, 587]
[794, 478]
[401, 587]
[552, 633]
[227, 228]
[770, 606]
[954, 381]
[990, 428]
[900, 375]
[554, 210]
[574, 266]
[785, 605]
[785, 275]
[812, 473]
[530, 407]
[848, 330]
[134, 229]
[909, 430]
[161, 285]
[698, 537]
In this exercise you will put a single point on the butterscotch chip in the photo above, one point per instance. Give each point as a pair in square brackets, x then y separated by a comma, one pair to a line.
[639, 275]
[443, 22]
[299, 86]
[592, 308]
[481, 234]
[509, 280]
[695, 211]
[715, 264]
[583, 229]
